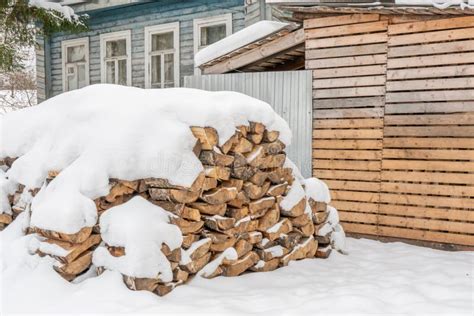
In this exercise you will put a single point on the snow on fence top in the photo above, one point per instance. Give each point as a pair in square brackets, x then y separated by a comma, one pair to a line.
[107, 131]
[239, 39]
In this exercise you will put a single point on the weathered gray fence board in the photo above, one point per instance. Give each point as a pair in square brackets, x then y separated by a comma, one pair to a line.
[288, 92]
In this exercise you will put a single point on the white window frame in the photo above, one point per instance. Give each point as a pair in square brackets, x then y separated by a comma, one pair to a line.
[113, 37]
[158, 29]
[70, 43]
[209, 21]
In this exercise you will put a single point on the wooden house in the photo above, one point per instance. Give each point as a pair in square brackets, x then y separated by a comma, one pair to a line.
[393, 111]
[138, 42]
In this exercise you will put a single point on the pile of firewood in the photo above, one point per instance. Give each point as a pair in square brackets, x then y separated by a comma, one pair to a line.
[19, 199]
[237, 203]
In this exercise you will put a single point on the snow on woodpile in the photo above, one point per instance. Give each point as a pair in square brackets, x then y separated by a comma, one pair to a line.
[159, 185]
[237, 40]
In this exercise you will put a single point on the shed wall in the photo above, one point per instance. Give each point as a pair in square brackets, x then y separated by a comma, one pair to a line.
[394, 123]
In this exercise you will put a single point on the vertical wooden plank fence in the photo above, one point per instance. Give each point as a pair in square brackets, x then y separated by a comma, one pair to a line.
[393, 137]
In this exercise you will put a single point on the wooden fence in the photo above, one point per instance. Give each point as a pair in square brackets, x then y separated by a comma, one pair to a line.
[393, 108]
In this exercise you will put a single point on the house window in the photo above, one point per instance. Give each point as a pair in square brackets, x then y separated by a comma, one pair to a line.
[75, 63]
[162, 55]
[115, 58]
[210, 30]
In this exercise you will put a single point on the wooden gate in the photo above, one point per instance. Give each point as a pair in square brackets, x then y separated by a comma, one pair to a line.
[393, 107]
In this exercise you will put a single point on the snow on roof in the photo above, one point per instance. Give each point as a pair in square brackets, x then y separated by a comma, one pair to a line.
[108, 131]
[65, 11]
[237, 40]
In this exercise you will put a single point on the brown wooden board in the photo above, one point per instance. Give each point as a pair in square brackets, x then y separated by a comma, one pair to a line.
[393, 128]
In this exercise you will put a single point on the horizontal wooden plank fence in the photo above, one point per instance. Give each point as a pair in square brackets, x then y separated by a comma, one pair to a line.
[393, 128]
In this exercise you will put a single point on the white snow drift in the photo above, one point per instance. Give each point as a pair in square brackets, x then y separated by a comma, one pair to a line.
[106, 131]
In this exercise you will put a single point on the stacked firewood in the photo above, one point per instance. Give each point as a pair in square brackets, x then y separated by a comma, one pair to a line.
[73, 252]
[19, 197]
[239, 214]
[234, 203]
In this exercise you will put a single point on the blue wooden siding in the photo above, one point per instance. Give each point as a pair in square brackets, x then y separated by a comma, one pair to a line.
[136, 18]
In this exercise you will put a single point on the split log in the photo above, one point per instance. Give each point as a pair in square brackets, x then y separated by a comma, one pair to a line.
[269, 219]
[5, 218]
[187, 227]
[118, 189]
[290, 240]
[207, 136]
[257, 128]
[306, 249]
[274, 161]
[180, 275]
[231, 142]
[252, 225]
[219, 195]
[255, 138]
[272, 252]
[277, 190]
[243, 130]
[172, 255]
[271, 136]
[213, 158]
[199, 249]
[217, 172]
[301, 220]
[261, 204]
[243, 173]
[259, 177]
[241, 265]
[116, 251]
[221, 245]
[77, 266]
[209, 209]
[254, 237]
[240, 200]
[163, 289]
[209, 183]
[274, 148]
[140, 284]
[74, 250]
[256, 192]
[242, 146]
[306, 230]
[282, 227]
[323, 252]
[219, 223]
[296, 210]
[323, 240]
[188, 240]
[195, 265]
[242, 247]
[280, 175]
[320, 217]
[237, 213]
[266, 266]
[76, 238]
[233, 183]
[265, 243]
[175, 195]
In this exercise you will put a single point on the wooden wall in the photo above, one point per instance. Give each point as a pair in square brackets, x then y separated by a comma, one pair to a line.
[136, 18]
[393, 107]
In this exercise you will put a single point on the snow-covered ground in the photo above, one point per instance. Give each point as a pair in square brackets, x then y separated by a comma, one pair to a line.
[375, 278]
